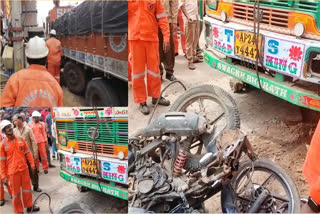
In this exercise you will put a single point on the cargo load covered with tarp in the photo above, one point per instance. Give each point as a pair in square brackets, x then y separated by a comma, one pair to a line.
[94, 17]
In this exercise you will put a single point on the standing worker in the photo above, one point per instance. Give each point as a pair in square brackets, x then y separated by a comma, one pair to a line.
[14, 153]
[311, 171]
[190, 10]
[144, 17]
[39, 132]
[168, 59]
[34, 86]
[54, 56]
[26, 133]
[2, 201]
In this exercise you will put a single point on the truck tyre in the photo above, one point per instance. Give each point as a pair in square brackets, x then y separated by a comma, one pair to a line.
[76, 208]
[100, 93]
[75, 77]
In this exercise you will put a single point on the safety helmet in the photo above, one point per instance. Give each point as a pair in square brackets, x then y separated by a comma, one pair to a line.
[53, 32]
[36, 114]
[36, 48]
[5, 123]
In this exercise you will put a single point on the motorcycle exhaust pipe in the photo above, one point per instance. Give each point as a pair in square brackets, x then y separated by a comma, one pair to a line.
[256, 205]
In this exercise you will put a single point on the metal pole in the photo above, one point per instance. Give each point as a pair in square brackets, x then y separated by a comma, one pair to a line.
[18, 49]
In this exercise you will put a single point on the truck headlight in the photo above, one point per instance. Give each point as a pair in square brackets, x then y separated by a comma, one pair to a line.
[298, 29]
[224, 16]
[121, 155]
[62, 140]
[72, 150]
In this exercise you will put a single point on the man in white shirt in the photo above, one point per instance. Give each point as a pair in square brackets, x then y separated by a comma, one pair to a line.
[190, 10]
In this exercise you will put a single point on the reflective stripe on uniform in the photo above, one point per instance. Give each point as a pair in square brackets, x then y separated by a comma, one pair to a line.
[27, 151]
[19, 138]
[5, 143]
[153, 74]
[57, 77]
[137, 76]
[3, 158]
[26, 190]
[159, 16]
[16, 196]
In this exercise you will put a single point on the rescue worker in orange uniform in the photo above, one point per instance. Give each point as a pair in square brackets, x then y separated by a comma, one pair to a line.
[14, 153]
[2, 201]
[144, 18]
[40, 134]
[54, 56]
[311, 171]
[33, 86]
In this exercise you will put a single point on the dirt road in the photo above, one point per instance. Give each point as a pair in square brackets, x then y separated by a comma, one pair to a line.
[63, 193]
[274, 126]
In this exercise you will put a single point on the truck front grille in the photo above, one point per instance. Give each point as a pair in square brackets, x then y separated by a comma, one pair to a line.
[109, 132]
[101, 148]
[271, 16]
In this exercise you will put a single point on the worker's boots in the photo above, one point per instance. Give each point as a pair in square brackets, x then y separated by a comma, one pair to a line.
[162, 101]
[2, 202]
[35, 209]
[144, 108]
[37, 189]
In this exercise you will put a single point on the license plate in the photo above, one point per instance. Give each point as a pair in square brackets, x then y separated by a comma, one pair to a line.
[89, 166]
[245, 45]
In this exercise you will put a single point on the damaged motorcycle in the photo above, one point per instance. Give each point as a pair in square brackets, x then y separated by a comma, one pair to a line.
[182, 159]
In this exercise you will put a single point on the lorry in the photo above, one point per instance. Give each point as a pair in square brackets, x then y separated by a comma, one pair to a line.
[93, 148]
[93, 36]
[273, 45]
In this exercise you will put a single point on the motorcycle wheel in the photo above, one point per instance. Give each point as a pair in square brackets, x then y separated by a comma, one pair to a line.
[219, 109]
[248, 183]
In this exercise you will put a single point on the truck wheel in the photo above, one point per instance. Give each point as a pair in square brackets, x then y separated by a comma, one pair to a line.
[76, 208]
[100, 93]
[75, 77]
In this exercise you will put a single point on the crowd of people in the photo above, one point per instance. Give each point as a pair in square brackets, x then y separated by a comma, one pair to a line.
[24, 142]
[153, 26]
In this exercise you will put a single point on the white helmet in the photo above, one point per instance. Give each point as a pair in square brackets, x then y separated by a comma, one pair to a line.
[36, 114]
[5, 123]
[53, 32]
[36, 48]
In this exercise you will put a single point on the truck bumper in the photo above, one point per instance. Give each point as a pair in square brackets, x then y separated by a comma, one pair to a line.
[116, 191]
[285, 90]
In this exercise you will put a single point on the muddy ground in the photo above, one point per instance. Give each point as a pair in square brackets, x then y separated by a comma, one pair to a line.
[63, 193]
[274, 126]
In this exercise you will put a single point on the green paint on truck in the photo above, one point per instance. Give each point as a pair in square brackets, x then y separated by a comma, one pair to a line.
[116, 192]
[286, 92]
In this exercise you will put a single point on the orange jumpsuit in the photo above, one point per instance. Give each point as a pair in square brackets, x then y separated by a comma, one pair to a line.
[32, 87]
[144, 18]
[182, 35]
[311, 168]
[1, 184]
[54, 57]
[39, 132]
[14, 167]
